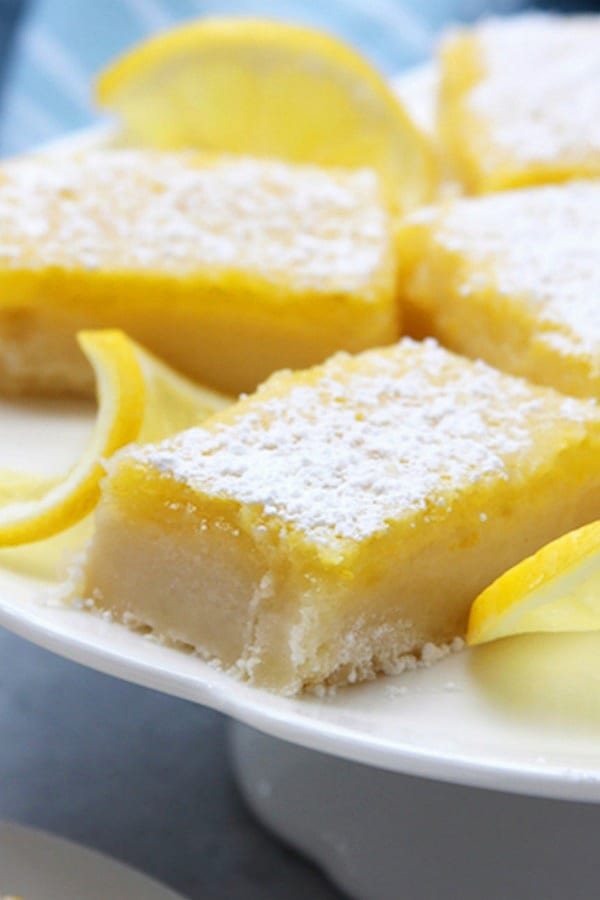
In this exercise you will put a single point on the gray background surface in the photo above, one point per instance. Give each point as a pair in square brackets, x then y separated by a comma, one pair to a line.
[138, 775]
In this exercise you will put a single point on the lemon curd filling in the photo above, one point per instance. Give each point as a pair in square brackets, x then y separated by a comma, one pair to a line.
[519, 101]
[339, 522]
[512, 278]
[228, 268]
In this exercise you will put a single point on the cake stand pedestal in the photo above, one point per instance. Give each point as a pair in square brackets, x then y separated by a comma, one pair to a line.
[384, 836]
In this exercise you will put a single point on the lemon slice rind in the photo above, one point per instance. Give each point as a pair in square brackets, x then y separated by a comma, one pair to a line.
[172, 401]
[139, 398]
[52, 505]
[555, 590]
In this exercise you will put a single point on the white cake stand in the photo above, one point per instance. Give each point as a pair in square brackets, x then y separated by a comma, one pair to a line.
[387, 836]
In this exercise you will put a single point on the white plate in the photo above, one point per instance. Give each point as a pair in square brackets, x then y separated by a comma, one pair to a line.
[37, 866]
[523, 716]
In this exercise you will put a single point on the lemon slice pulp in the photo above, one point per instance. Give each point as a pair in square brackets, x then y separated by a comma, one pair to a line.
[139, 398]
[268, 89]
[556, 589]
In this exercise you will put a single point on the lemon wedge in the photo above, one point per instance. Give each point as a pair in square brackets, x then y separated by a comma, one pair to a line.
[268, 89]
[139, 398]
[556, 589]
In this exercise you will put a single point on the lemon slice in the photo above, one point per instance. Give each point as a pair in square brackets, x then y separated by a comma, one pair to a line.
[172, 402]
[268, 89]
[556, 589]
[139, 398]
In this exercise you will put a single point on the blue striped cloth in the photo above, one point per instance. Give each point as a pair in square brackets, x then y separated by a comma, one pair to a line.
[61, 44]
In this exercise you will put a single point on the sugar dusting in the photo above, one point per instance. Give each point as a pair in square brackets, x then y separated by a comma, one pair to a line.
[131, 210]
[540, 97]
[369, 439]
[544, 248]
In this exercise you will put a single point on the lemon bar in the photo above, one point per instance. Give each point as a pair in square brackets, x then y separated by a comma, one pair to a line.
[340, 521]
[519, 101]
[512, 278]
[228, 268]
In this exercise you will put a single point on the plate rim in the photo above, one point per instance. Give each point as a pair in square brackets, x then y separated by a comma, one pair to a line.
[280, 719]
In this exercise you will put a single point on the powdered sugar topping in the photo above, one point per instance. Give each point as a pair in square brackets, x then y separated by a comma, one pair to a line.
[540, 95]
[130, 210]
[543, 247]
[374, 438]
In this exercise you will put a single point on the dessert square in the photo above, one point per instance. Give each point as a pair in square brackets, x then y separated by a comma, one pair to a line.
[339, 522]
[519, 101]
[228, 267]
[512, 278]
